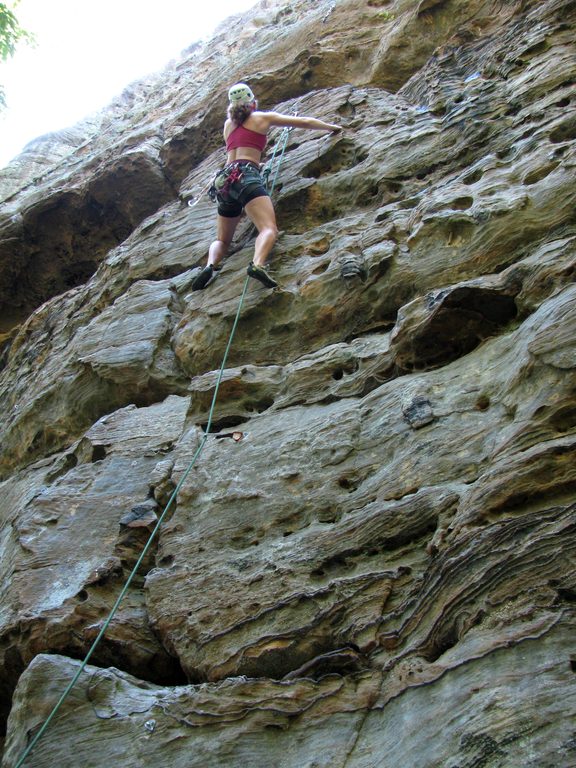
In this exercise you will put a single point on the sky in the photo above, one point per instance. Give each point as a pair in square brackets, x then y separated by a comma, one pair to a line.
[87, 52]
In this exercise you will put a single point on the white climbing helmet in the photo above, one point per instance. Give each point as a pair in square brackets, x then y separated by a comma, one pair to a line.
[240, 94]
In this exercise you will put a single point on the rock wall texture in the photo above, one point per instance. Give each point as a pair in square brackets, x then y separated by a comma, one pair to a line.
[381, 570]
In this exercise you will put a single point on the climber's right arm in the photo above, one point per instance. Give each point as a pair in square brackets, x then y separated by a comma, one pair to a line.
[276, 119]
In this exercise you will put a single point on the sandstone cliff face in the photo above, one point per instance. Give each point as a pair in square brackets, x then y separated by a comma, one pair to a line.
[380, 571]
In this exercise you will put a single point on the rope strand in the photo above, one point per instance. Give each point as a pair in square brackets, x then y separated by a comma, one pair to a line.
[146, 546]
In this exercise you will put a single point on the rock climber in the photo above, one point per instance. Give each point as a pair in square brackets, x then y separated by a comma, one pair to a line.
[239, 186]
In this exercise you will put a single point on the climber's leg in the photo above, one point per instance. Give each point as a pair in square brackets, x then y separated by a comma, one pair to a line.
[225, 228]
[261, 212]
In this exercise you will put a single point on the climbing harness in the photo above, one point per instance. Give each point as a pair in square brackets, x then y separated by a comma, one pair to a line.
[120, 597]
[224, 179]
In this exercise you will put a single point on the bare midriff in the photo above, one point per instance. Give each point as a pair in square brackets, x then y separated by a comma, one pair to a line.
[244, 153]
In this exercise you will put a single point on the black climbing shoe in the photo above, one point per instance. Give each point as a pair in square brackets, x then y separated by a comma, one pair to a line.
[205, 277]
[260, 274]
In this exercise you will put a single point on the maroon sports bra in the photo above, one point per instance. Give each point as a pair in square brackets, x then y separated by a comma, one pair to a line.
[244, 137]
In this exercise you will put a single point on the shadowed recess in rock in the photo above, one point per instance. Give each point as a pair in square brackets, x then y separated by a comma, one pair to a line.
[58, 244]
[447, 325]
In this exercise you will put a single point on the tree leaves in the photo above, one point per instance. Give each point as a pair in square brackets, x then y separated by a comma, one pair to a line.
[11, 33]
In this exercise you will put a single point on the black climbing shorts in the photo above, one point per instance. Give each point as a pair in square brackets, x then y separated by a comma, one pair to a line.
[237, 184]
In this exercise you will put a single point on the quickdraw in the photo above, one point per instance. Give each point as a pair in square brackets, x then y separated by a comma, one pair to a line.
[224, 180]
[215, 185]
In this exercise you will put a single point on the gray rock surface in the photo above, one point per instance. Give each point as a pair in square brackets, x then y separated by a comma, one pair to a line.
[372, 561]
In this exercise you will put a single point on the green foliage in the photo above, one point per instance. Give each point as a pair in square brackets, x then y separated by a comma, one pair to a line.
[11, 33]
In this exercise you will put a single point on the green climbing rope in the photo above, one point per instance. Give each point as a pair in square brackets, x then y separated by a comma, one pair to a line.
[282, 142]
[106, 624]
